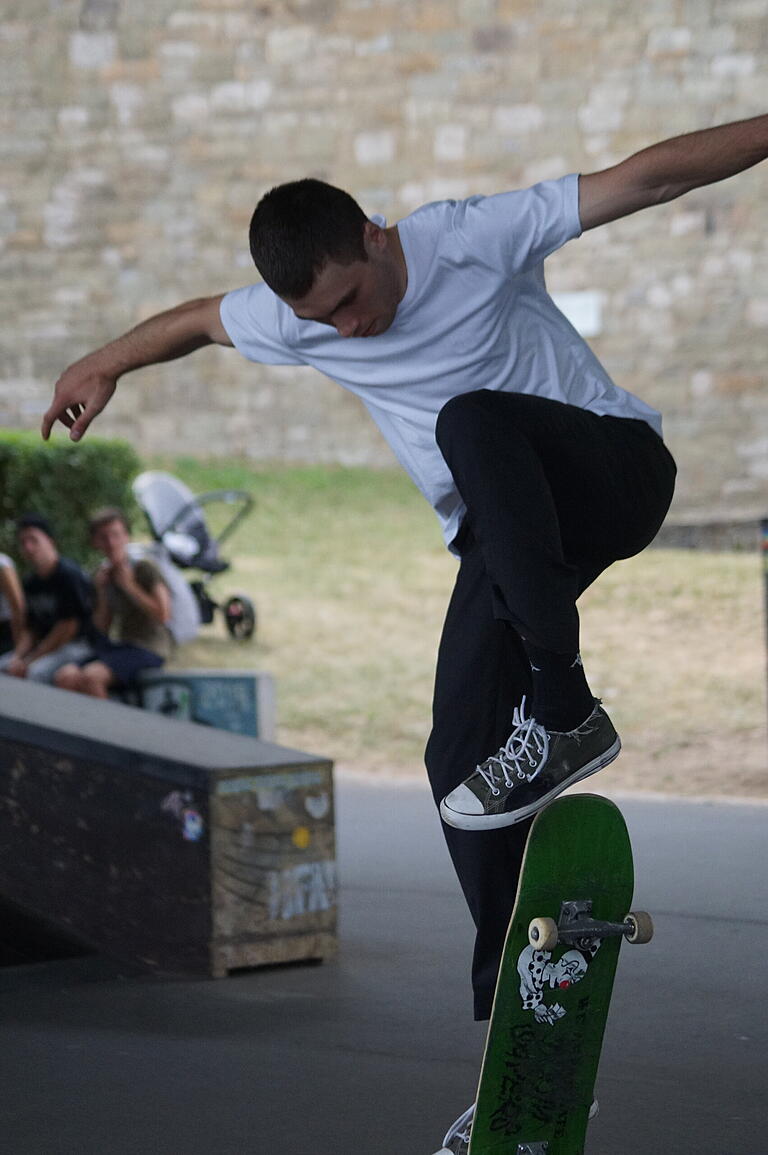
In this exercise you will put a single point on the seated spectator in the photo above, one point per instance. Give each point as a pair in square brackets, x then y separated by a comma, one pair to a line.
[12, 608]
[130, 616]
[58, 599]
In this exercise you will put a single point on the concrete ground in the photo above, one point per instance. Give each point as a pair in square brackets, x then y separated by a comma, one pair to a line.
[374, 1054]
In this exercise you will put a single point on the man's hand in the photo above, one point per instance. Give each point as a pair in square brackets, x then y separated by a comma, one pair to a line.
[155, 602]
[80, 394]
[121, 575]
[17, 668]
[86, 387]
[103, 576]
[667, 170]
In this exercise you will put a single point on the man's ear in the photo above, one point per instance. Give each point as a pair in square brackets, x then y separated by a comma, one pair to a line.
[374, 237]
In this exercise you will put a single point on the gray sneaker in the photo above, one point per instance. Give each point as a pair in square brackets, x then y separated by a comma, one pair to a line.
[532, 768]
[456, 1141]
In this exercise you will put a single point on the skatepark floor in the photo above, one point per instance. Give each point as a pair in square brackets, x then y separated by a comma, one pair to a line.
[375, 1053]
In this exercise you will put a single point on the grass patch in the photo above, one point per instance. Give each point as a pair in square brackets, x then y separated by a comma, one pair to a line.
[351, 579]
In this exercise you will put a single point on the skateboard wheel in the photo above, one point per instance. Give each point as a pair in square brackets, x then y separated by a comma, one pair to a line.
[543, 933]
[639, 927]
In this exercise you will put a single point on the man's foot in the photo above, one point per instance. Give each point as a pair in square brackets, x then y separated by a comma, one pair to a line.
[456, 1141]
[529, 771]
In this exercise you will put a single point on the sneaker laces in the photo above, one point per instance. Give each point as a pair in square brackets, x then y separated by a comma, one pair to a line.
[527, 745]
[461, 1128]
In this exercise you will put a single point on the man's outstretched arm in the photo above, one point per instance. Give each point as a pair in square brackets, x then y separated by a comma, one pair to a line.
[84, 388]
[669, 169]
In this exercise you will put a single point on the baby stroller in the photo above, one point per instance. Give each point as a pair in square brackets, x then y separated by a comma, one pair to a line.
[177, 523]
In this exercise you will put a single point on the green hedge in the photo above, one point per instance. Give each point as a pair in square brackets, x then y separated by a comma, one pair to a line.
[64, 481]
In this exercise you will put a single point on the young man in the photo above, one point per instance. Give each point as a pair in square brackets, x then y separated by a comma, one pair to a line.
[541, 470]
[133, 603]
[58, 606]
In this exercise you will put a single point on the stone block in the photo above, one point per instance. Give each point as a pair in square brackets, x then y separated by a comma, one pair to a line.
[188, 20]
[374, 46]
[547, 168]
[126, 99]
[450, 143]
[289, 45]
[92, 50]
[72, 117]
[372, 148]
[712, 39]
[669, 41]
[518, 119]
[583, 309]
[604, 109]
[190, 107]
[702, 383]
[235, 96]
[757, 312]
[179, 50]
[733, 64]
[493, 38]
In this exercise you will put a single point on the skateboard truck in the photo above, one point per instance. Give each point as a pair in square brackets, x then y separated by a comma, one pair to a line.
[532, 1148]
[576, 923]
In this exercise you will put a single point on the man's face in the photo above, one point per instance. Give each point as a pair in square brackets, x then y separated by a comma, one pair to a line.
[111, 538]
[38, 549]
[359, 299]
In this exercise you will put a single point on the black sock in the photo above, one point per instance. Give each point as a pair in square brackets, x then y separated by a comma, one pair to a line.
[562, 699]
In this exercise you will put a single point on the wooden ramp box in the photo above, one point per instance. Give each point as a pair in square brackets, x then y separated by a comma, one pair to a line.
[183, 848]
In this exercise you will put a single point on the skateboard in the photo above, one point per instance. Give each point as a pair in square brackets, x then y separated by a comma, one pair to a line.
[555, 981]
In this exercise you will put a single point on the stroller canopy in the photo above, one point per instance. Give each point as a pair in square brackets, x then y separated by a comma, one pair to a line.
[176, 519]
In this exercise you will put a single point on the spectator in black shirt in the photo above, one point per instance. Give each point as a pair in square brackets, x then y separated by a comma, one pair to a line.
[58, 597]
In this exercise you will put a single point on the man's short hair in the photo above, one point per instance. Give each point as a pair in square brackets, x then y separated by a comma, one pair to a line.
[35, 521]
[105, 516]
[298, 227]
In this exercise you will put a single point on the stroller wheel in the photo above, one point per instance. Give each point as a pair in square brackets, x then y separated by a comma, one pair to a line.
[240, 616]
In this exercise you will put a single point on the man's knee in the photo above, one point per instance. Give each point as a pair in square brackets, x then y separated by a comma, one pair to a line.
[459, 416]
[96, 679]
[67, 677]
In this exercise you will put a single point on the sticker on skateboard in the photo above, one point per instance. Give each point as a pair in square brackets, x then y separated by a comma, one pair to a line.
[537, 973]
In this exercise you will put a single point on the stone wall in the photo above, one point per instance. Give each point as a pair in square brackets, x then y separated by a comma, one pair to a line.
[137, 137]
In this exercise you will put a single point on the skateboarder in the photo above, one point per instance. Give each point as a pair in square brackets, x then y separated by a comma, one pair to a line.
[541, 469]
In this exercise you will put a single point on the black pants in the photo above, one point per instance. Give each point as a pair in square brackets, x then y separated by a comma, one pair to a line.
[6, 637]
[554, 495]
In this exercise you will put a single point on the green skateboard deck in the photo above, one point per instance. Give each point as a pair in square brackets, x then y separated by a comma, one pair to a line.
[551, 1004]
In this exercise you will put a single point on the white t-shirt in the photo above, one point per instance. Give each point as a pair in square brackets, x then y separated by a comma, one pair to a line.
[475, 315]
